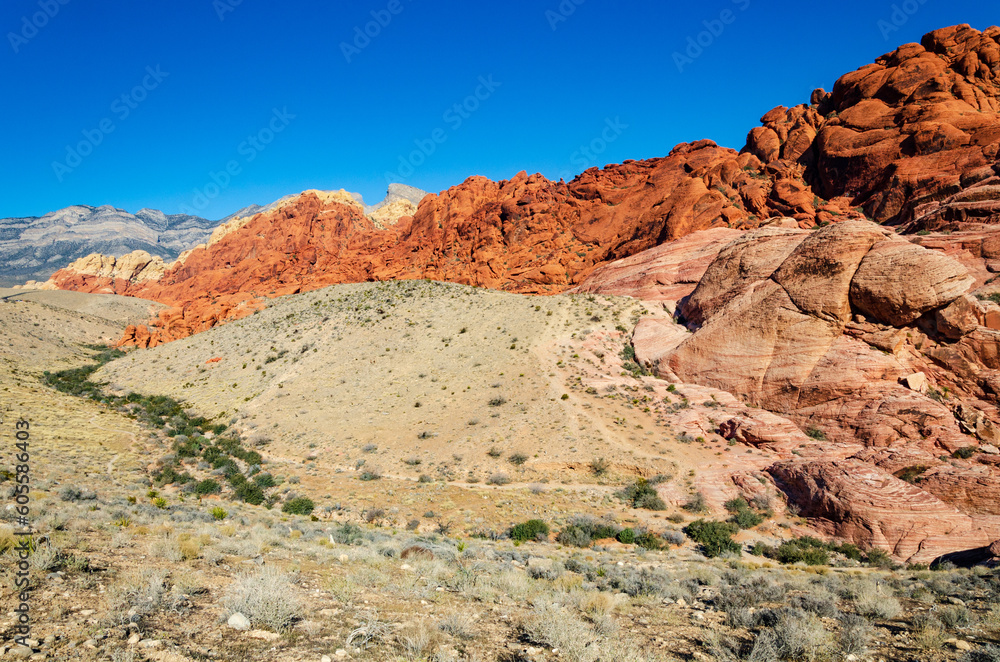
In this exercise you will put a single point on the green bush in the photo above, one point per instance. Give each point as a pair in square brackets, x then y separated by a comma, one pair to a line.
[533, 529]
[298, 506]
[649, 540]
[715, 538]
[806, 550]
[965, 452]
[626, 536]
[641, 494]
[747, 519]
[208, 486]
[264, 481]
[219, 513]
[250, 493]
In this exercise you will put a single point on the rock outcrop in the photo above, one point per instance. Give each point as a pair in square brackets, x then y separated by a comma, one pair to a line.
[913, 138]
[527, 235]
[860, 502]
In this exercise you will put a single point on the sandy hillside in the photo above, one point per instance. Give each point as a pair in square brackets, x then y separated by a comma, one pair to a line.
[466, 386]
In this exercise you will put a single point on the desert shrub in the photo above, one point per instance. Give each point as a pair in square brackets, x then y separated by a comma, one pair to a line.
[250, 493]
[264, 480]
[747, 519]
[459, 625]
[820, 603]
[715, 538]
[875, 557]
[855, 635]
[816, 433]
[298, 506]
[208, 486]
[348, 534]
[875, 600]
[743, 515]
[965, 452]
[498, 478]
[626, 536]
[986, 653]
[533, 529]
[574, 536]
[219, 513]
[267, 597]
[370, 473]
[517, 459]
[73, 493]
[551, 626]
[911, 474]
[649, 540]
[135, 596]
[801, 550]
[641, 494]
[801, 636]
[599, 466]
[696, 504]
[955, 616]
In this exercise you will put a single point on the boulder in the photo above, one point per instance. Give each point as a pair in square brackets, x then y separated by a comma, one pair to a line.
[897, 282]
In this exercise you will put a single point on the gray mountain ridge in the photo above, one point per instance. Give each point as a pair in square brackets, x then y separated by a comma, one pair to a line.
[35, 247]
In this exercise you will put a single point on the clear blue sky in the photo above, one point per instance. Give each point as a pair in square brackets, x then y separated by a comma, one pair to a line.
[553, 86]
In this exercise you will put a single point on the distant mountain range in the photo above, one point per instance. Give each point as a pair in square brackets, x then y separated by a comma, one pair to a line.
[33, 248]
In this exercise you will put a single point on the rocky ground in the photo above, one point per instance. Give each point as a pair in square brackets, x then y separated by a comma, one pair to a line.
[129, 567]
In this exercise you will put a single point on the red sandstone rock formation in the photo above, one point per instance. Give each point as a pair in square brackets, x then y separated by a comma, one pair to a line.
[913, 138]
[526, 235]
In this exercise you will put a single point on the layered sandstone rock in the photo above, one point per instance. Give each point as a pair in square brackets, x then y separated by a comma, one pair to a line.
[858, 501]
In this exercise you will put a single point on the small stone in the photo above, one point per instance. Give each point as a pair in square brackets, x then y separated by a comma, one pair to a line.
[681, 602]
[150, 643]
[341, 653]
[87, 612]
[325, 658]
[20, 653]
[239, 622]
[90, 643]
[916, 382]
[134, 639]
[962, 645]
[344, 558]
[989, 449]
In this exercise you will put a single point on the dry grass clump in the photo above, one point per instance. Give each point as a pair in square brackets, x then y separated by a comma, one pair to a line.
[136, 596]
[875, 600]
[267, 597]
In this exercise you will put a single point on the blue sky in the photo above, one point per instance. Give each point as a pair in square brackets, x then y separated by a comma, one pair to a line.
[147, 104]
